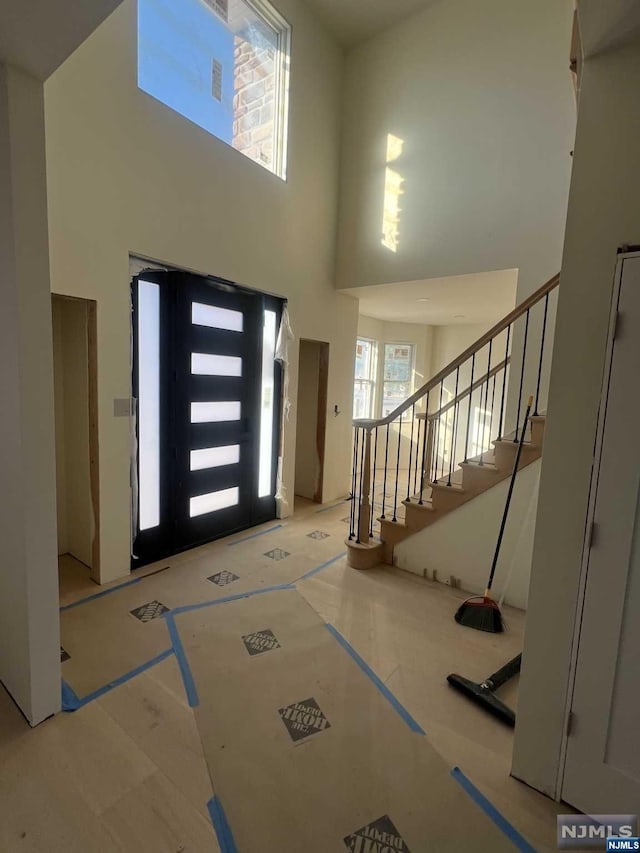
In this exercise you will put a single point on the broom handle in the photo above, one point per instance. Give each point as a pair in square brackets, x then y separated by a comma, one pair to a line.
[509, 494]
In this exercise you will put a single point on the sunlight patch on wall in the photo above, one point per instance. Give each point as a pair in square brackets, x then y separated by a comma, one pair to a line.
[393, 190]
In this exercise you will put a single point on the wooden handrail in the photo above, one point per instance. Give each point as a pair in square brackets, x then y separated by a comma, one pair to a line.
[503, 324]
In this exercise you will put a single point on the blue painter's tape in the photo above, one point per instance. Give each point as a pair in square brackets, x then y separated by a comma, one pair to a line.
[183, 663]
[99, 594]
[388, 695]
[333, 506]
[71, 701]
[254, 535]
[187, 608]
[322, 567]
[491, 811]
[221, 826]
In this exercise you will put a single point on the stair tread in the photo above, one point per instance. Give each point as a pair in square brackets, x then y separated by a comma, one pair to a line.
[394, 523]
[526, 445]
[454, 487]
[425, 505]
[487, 466]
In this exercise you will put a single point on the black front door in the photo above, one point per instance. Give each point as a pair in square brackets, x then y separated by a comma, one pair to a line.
[207, 389]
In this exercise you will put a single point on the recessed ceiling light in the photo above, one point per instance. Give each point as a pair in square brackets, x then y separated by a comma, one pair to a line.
[424, 300]
[459, 316]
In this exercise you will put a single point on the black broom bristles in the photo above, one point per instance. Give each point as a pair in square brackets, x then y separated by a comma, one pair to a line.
[481, 613]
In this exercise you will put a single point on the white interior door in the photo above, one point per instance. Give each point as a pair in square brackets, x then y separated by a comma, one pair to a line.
[602, 772]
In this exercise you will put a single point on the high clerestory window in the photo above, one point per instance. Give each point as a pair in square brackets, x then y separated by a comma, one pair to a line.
[224, 65]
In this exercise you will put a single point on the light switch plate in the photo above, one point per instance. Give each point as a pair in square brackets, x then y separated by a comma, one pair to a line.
[122, 408]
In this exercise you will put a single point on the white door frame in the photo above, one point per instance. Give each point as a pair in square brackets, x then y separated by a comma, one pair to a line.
[593, 491]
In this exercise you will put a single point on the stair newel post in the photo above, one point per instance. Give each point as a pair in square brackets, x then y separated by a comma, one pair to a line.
[352, 511]
[373, 479]
[361, 490]
[384, 478]
[504, 384]
[413, 420]
[542, 341]
[364, 517]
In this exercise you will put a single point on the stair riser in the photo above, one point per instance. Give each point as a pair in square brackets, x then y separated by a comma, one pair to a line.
[392, 534]
[477, 479]
[445, 500]
[537, 432]
[417, 518]
[505, 455]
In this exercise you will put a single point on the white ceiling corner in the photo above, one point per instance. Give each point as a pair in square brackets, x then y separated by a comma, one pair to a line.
[353, 21]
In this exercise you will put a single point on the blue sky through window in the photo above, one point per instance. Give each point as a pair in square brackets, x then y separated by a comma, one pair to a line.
[178, 41]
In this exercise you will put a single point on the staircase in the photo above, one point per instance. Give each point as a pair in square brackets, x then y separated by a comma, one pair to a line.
[454, 438]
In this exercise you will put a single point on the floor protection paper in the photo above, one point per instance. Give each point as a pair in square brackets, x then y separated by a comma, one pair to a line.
[306, 753]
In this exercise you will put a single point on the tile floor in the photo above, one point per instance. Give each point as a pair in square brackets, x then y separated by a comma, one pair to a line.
[126, 771]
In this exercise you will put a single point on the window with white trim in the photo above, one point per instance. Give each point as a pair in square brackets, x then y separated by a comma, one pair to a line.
[397, 376]
[364, 389]
[224, 65]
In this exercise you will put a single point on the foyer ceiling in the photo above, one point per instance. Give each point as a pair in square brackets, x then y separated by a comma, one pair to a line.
[353, 21]
[482, 298]
[38, 35]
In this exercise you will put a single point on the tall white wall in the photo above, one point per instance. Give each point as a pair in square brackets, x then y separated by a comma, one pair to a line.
[604, 213]
[29, 621]
[481, 97]
[450, 341]
[126, 174]
[370, 327]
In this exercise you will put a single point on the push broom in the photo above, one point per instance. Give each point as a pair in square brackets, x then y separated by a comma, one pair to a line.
[482, 612]
[484, 692]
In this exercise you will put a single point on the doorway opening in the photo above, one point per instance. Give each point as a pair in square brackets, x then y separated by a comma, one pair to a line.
[313, 378]
[76, 428]
[207, 403]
